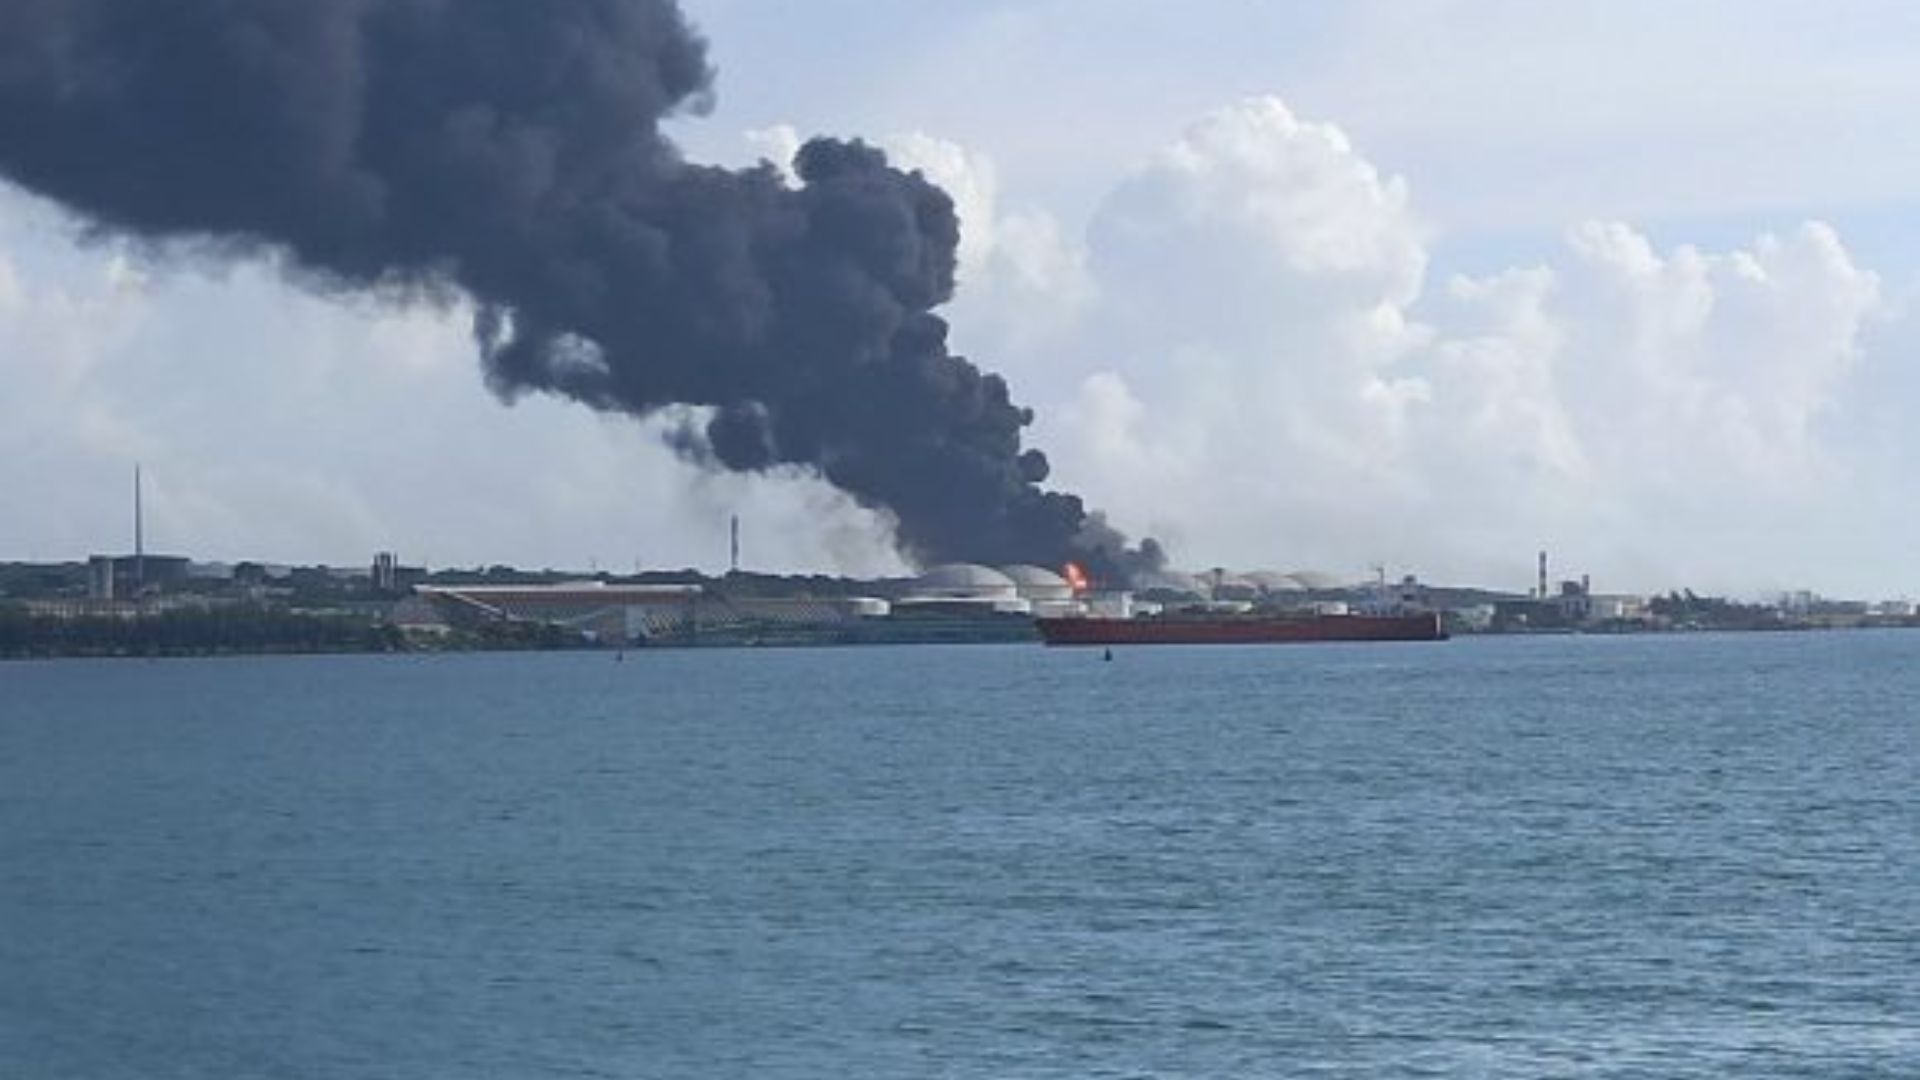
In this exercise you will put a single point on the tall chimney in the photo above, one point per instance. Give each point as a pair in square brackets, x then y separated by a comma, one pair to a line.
[139, 535]
[1543, 576]
[733, 562]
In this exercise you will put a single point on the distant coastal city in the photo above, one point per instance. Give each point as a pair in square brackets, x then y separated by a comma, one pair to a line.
[171, 605]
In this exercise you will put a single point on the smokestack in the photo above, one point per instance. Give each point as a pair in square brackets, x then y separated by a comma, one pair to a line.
[1543, 576]
[386, 146]
[139, 536]
[733, 564]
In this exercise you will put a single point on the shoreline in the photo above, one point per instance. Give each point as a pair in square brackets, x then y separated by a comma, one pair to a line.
[444, 648]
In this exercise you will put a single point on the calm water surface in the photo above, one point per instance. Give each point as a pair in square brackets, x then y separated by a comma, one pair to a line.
[1575, 857]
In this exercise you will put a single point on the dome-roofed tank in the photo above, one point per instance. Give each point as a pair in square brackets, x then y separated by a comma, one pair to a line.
[1171, 582]
[965, 578]
[1038, 583]
[1273, 581]
[964, 586]
[1225, 586]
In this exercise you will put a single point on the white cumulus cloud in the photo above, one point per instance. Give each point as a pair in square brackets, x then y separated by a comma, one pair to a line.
[1274, 381]
[1246, 352]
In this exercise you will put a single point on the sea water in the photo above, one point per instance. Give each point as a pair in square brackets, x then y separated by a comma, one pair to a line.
[1673, 857]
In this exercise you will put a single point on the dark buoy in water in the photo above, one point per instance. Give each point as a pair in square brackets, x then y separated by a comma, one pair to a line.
[1106, 654]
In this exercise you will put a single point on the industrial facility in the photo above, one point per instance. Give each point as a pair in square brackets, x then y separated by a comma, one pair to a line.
[652, 614]
[948, 602]
[411, 606]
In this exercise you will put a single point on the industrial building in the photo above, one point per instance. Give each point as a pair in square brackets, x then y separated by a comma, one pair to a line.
[649, 614]
[964, 589]
[123, 577]
[971, 589]
[951, 602]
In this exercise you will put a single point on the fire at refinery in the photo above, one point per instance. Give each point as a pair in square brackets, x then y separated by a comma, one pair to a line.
[1077, 578]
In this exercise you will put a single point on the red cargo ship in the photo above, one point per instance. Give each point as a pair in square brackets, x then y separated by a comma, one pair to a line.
[1242, 629]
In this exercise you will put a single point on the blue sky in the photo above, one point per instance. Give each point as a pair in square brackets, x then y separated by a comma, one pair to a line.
[1716, 118]
[1459, 280]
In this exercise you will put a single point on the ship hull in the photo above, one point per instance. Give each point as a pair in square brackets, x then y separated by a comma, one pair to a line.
[1426, 626]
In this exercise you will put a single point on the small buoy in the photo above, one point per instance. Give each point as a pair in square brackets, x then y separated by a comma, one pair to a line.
[1107, 655]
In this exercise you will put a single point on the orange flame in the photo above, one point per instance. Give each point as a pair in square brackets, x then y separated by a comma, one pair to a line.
[1077, 578]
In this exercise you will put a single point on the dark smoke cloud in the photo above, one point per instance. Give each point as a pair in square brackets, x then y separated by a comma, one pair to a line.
[512, 149]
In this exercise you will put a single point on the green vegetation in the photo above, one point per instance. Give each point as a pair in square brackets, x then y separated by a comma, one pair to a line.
[34, 580]
[214, 631]
[508, 636]
[1686, 611]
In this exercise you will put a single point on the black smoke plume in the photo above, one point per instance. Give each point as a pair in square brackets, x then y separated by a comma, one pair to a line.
[512, 149]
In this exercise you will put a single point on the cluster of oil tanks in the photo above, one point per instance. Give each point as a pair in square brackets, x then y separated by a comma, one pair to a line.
[970, 588]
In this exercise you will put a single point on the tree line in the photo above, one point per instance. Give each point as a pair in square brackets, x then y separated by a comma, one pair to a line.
[190, 632]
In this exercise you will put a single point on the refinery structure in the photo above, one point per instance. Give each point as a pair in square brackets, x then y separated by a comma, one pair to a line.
[951, 602]
[144, 602]
[505, 607]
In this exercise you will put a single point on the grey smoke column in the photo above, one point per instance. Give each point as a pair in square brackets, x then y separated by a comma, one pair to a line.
[511, 149]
